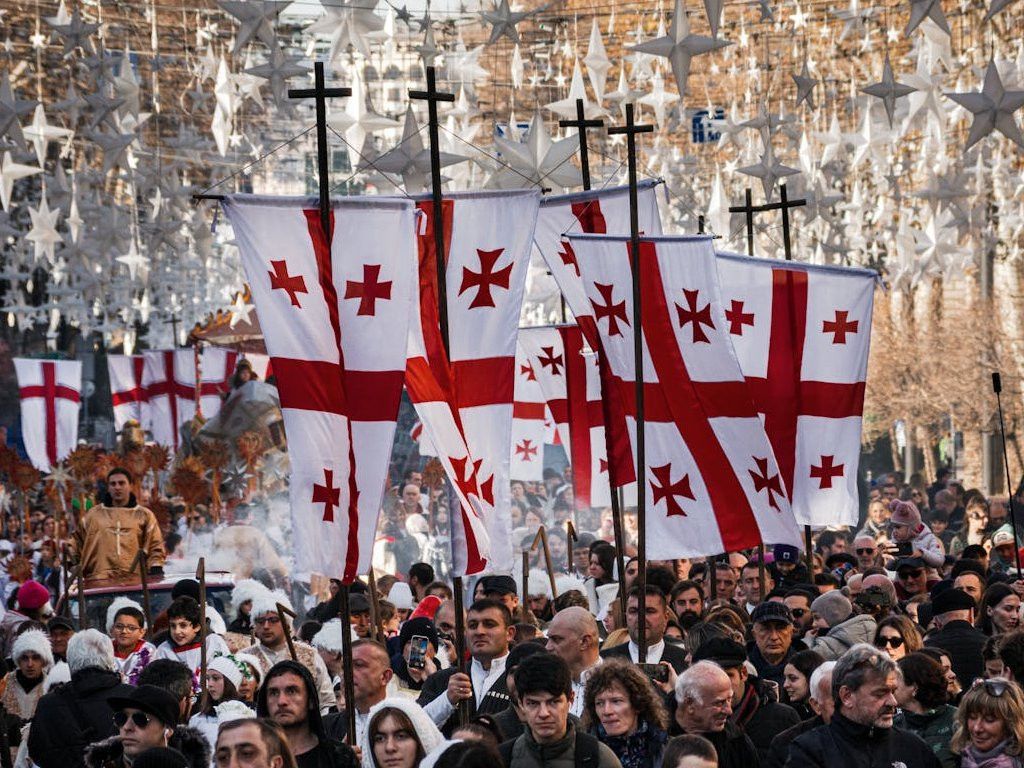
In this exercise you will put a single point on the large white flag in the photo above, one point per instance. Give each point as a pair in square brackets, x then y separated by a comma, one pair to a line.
[335, 318]
[50, 402]
[127, 393]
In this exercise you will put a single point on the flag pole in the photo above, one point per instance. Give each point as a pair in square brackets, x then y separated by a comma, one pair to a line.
[201, 578]
[997, 387]
[631, 129]
[432, 96]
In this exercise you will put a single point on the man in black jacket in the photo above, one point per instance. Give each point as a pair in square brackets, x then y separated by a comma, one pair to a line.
[703, 707]
[76, 714]
[755, 708]
[489, 631]
[861, 733]
[288, 696]
[953, 614]
[656, 617]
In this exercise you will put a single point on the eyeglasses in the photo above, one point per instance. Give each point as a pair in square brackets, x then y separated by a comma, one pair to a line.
[866, 551]
[140, 719]
[885, 642]
[910, 574]
[268, 620]
[126, 628]
[994, 686]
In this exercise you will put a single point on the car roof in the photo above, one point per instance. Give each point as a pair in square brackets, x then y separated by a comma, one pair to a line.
[214, 579]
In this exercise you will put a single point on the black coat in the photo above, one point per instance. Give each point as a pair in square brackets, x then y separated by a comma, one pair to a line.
[72, 716]
[188, 741]
[778, 752]
[963, 642]
[673, 654]
[734, 747]
[495, 700]
[768, 720]
[845, 744]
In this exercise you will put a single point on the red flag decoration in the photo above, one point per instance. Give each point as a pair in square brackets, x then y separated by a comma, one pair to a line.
[465, 399]
[50, 401]
[569, 377]
[127, 393]
[712, 484]
[169, 380]
[334, 317]
[802, 335]
[529, 425]
[597, 212]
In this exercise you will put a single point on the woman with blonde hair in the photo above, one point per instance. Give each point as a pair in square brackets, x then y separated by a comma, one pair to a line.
[990, 725]
[623, 711]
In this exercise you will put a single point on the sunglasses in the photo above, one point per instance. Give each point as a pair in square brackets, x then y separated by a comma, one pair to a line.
[885, 642]
[910, 574]
[994, 686]
[798, 613]
[140, 719]
[866, 551]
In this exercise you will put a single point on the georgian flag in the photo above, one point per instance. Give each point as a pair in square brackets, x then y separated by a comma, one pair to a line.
[529, 422]
[335, 317]
[597, 212]
[127, 393]
[50, 402]
[169, 381]
[465, 398]
[802, 335]
[712, 482]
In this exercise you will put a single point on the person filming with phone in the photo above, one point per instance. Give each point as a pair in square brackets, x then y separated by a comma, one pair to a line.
[417, 660]
[659, 652]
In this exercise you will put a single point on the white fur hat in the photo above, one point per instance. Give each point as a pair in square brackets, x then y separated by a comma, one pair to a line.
[119, 603]
[233, 710]
[60, 673]
[329, 637]
[246, 589]
[401, 596]
[538, 583]
[33, 641]
[262, 604]
[226, 666]
[253, 662]
[606, 595]
[566, 582]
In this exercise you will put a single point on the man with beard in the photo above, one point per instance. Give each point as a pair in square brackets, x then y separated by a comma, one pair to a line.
[861, 731]
[704, 707]
[687, 601]
[799, 600]
[573, 636]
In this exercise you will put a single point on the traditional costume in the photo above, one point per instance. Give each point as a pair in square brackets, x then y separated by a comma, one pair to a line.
[110, 537]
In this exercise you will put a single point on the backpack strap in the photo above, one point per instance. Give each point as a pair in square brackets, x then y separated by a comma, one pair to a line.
[587, 751]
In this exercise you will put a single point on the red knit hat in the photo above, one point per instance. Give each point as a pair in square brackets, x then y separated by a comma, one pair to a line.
[32, 595]
[428, 607]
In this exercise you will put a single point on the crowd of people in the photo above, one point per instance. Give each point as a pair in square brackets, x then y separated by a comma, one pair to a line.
[897, 645]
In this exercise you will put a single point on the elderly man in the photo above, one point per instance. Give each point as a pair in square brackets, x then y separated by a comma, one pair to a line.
[573, 637]
[773, 644]
[821, 702]
[861, 732]
[867, 553]
[371, 673]
[704, 706]
[953, 612]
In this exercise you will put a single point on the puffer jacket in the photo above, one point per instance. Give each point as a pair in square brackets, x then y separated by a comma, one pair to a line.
[859, 628]
[191, 743]
[527, 753]
[846, 744]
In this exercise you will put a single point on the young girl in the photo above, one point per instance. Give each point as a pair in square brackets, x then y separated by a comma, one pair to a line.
[906, 526]
[223, 679]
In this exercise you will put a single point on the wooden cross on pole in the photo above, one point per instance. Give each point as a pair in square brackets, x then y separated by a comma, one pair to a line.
[582, 124]
[320, 93]
[749, 209]
[631, 130]
[432, 96]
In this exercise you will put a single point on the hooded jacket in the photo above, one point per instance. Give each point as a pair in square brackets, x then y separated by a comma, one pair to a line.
[191, 743]
[333, 754]
[859, 628]
[427, 733]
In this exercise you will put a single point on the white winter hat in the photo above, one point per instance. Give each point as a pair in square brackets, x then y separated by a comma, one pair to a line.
[117, 605]
[401, 596]
[262, 604]
[233, 710]
[253, 662]
[33, 641]
[566, 582]
[226, 666]
[329, 637]
[428, 734]
[538, 584]
[246, 589]
[60, 673]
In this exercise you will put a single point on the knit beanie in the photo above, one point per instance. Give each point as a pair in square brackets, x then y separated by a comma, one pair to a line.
[226, 666]
[904, 513]
[833, 607]
[32, 595]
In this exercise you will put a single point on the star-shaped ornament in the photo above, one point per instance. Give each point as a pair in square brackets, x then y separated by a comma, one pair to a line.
[277, 70]
[993, 109]
[597, 62]
[11, 110]
[10, 172]
[409, 159]
[240, 311]
[351, 23]
[43, 234]
[538, 160]
[76, 33]
[41, 133]
[503, 21]
[926, 9]
[256, 19]
[888, 90]
[679, 46]
[769, 171]
[805, 85]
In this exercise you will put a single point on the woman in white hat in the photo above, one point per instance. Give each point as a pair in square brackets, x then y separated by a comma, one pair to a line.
[223, 679]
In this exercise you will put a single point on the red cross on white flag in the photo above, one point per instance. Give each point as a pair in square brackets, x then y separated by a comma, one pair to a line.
[335, 317]
[127, 393]
[466, 401]
[597, 212]
[528, 418]
[713, 484]
[50, 402]
[803, 346]
[169, 380]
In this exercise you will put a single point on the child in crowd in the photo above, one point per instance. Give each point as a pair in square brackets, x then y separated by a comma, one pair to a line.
[184, 622]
